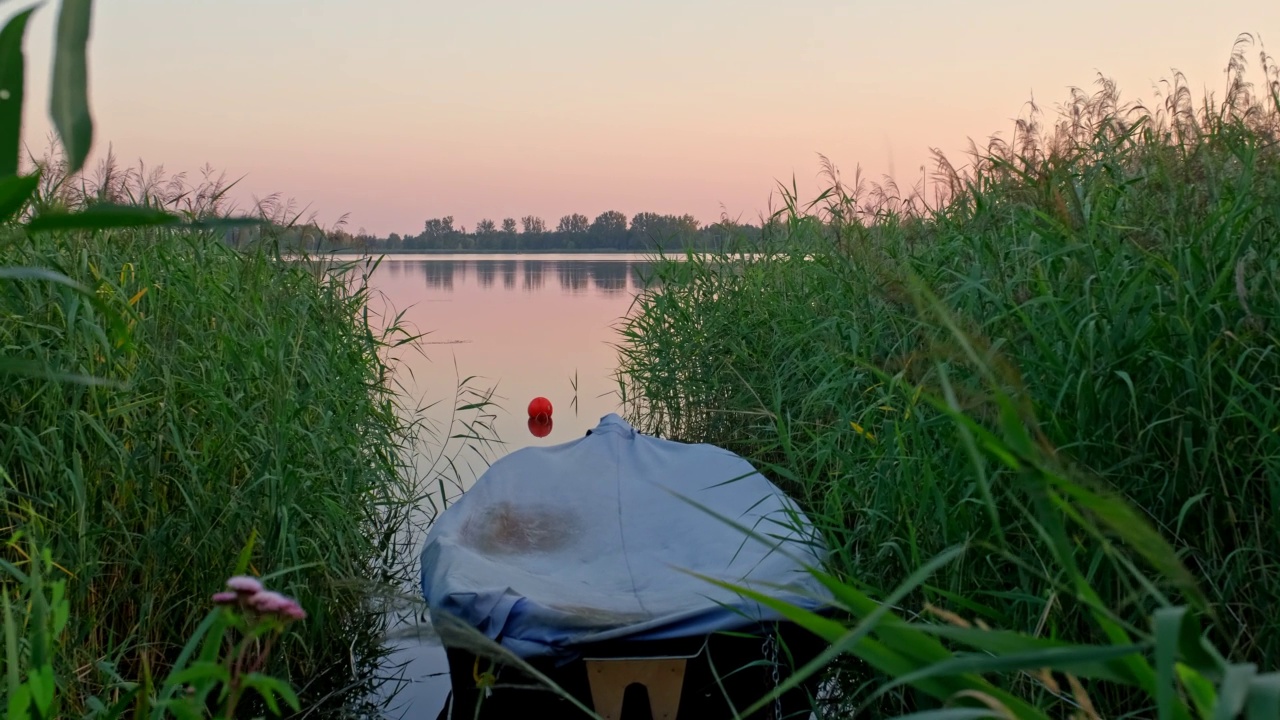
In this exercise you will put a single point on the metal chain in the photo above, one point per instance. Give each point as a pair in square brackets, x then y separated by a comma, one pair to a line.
[771, 656]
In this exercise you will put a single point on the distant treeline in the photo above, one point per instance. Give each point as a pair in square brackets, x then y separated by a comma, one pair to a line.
[609, 231]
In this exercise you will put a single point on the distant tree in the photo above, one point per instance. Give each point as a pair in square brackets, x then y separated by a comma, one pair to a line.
[509, 226]
[394, 241]
[438, 227]
[686, 225]
[609, 229]
[486, 227]
[310, 236]
[362, 240]
[609, 224]
[663, 229]
[646, 224]
[575, 224]
[438, 234]
[533, 225]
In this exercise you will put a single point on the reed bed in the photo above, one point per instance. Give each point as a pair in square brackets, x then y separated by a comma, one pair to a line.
[213, 402]
[1106, 280]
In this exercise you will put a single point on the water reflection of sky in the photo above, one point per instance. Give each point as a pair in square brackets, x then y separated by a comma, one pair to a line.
[523, 325]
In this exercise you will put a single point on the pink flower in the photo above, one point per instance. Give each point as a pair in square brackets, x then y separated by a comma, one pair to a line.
[224, 598]
[245, 585]
[293, 611]
[268, 601]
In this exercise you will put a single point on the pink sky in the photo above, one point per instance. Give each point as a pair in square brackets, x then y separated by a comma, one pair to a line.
[397, 110]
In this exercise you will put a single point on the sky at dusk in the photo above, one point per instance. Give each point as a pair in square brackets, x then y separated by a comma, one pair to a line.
[395, 111]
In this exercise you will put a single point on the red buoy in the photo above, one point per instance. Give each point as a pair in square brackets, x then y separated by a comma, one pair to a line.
[539, 408]
[540, 426]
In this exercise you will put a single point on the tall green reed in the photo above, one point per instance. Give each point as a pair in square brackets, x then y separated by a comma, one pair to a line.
[249, 402]
[1114, 274]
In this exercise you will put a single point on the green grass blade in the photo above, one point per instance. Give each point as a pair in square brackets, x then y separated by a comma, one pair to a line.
[15, 191]
[69, 94]
[1168, 625]
[1005, 643]
[21, 367]
[12, 77]
[1264, 697]
[35, 273]
[12, 666]
[1201, 691]
[1234, 690]
[1064, 659]
[170, 687]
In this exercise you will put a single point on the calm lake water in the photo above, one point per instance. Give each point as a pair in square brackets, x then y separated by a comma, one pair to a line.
[521, 326]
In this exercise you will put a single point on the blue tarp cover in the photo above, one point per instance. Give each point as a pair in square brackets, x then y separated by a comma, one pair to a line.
[592, 540]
